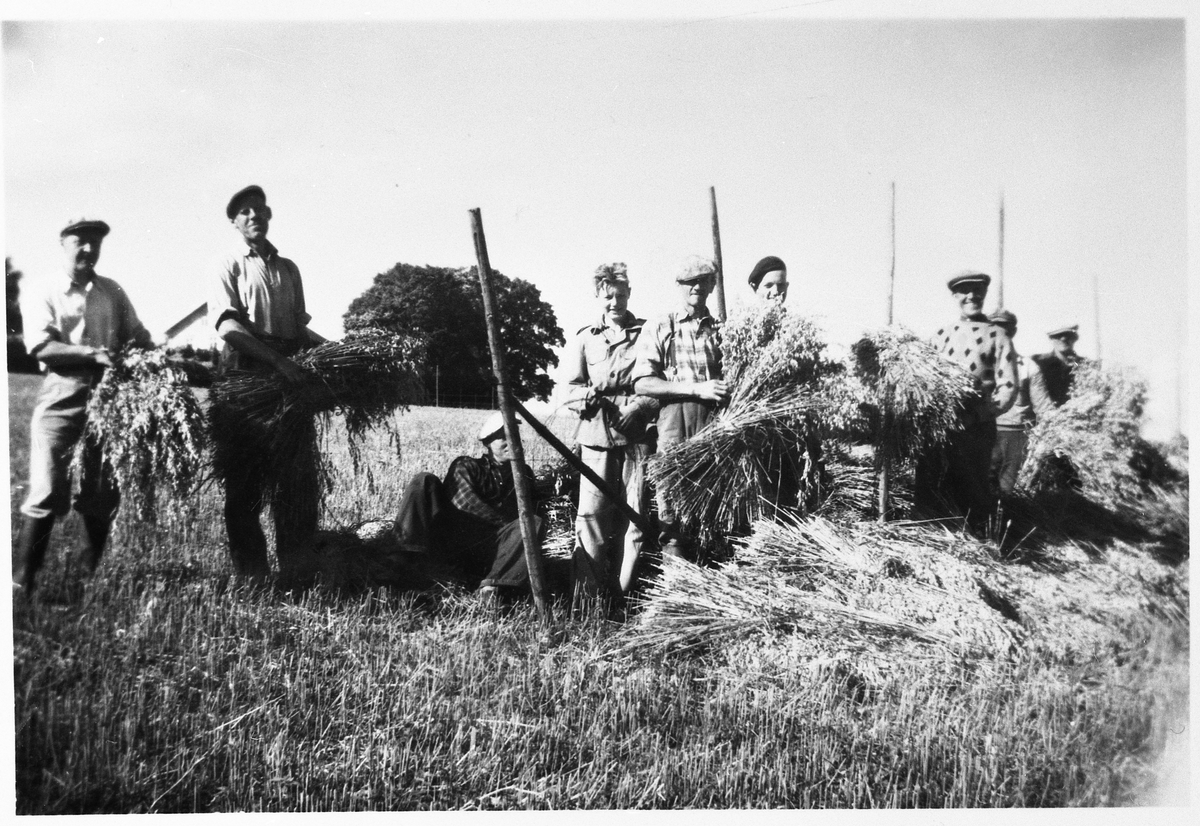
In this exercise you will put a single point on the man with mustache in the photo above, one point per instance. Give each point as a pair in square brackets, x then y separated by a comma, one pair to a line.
[256, 303]
[73, 329]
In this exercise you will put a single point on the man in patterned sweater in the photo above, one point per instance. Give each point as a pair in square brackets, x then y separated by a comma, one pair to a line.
[959, 475]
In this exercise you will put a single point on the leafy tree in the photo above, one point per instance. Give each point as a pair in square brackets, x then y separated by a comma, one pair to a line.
[445, 306]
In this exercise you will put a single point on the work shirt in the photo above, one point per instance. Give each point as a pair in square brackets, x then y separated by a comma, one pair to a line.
[95, 314]
[603, 360]
[681, 347]
[1021, 416]
[1053, 387]
[483, 489]
[986, 352]
[265, 294]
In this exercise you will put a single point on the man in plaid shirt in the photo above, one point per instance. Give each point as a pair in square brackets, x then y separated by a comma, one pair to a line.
[466, 525]
[679, 363]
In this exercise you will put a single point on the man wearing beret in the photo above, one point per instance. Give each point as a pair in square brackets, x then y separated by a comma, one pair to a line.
[768, 279]
[679, 363]
[1052, 387]
[73, 328]
[465, 528]
[256, 302]
[1012, 426]
[961, 473]
[614, 440]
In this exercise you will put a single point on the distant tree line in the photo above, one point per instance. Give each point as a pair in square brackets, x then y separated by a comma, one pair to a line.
[444, 305]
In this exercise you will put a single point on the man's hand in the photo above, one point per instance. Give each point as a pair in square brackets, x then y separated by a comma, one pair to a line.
[713, 390]
[292, 373]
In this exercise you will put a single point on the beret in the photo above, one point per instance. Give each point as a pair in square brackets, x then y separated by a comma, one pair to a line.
[1003, 318]
[84, 226]
[695, 268]
[253, 189]
[766, 265]
[969, 277]
[493, 426]
[1073, 329]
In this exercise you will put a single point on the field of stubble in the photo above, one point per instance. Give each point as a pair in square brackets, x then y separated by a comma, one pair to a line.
[160, 686]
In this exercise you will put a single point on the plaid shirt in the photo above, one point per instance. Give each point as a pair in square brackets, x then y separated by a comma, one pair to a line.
[483, 489]
[986, 352]
[680, 347]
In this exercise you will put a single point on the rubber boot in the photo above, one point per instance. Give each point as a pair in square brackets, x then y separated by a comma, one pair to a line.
[30, 551]
[96, 530]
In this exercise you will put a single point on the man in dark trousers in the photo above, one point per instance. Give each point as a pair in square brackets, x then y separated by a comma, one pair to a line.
[960, 473]
[73, 328]
[466, 526]
[256, 302]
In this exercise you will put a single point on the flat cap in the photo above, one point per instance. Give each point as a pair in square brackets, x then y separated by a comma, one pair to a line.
[253, 189]
[1072, 330]
[84, 226]
[695, 268]
[1004, 318]
[766, 265]
[968, 277]
[493, 426]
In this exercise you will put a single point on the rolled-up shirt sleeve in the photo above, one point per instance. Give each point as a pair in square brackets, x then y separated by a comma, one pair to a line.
[40, 323]
[224, 299]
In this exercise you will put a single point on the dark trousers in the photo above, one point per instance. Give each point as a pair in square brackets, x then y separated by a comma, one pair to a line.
[1007, 458]
[459, 547]
[958, 475]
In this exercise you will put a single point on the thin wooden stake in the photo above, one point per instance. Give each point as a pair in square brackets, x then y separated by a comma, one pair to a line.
[1096, 311]
[881, 458]
[525, 506]
[716, 228]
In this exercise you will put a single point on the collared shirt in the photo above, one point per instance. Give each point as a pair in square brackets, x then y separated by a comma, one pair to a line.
[1021, 415]
[1052, 387]
[603, 360]
[483, 489]
[265, 295]
[96, 314]
[680, 347]
[986, 352]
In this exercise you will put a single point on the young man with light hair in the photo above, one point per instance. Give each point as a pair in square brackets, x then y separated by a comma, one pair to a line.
[614, 439]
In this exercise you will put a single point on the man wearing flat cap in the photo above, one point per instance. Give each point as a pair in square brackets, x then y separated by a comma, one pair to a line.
[679, 363]
[465, 527]
[1013, 426]
[1057, 369]
[768, 279]
[960, 473]
[73, 328]
[256, 302]
[614, 438]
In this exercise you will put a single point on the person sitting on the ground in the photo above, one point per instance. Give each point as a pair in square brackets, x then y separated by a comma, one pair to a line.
[466, 525]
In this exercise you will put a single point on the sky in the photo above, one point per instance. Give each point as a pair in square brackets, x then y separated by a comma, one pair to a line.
[590, 139]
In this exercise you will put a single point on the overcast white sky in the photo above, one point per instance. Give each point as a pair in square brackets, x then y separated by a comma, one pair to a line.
[594, 139]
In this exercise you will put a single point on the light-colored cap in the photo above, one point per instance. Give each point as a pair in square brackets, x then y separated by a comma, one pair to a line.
[694, 268]
[493, 427]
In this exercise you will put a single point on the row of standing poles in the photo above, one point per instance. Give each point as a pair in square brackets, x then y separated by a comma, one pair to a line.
[510, 407]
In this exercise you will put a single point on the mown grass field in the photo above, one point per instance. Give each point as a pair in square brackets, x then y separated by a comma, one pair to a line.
[161, 686]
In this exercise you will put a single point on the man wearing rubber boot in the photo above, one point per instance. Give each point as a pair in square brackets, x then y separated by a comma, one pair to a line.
[679, 363]
[73, 327]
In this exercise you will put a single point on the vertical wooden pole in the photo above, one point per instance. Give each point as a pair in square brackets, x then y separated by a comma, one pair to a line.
[1000, 271]
[1096, 311]
[716, 228]
[525, 506]
[884, 469]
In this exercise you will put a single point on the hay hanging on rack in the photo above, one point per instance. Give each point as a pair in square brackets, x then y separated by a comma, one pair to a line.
[150, 428]
[913, 394]
[264, 427]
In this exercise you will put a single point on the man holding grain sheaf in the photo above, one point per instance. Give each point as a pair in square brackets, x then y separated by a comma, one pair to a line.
[679, 363]
[614, 440]
[256, 302]
[73, 329]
